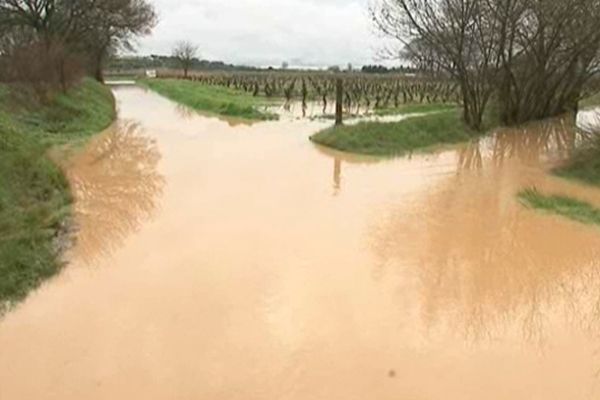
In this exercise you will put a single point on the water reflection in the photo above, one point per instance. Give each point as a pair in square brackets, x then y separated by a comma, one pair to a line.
[535, 144]
[116, 186]
[589, 120]
[297, 109]
[184, 112]
[187, 113]
[485, 265]
[337, 176]
[340, 158]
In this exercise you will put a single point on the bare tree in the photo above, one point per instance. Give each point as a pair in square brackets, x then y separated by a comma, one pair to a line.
[534, 56]
[85, 28]
[185, 54]
[35, 14]
[457, 35]
[99, 28]
[549, 54]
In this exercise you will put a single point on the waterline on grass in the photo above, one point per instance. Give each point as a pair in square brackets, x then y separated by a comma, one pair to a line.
[564, 206]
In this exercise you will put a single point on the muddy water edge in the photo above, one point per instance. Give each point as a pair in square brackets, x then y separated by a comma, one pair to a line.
[222, 260]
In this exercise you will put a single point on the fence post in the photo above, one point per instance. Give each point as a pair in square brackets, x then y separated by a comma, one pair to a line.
[339, 100]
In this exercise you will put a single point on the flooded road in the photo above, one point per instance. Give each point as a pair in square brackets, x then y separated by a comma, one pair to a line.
[218, 260]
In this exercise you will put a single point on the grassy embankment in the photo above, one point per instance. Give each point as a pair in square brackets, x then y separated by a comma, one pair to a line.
[443, 126]
[211, 99]
[583, 168]
[564, 206]
[34, 194]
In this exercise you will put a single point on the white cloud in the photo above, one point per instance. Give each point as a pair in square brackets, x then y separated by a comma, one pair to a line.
[268, 32]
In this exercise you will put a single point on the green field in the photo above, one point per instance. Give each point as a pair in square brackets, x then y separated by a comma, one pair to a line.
[34, 194]
[212, 99]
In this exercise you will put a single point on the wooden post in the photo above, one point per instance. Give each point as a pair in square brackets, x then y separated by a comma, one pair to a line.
[339, 99]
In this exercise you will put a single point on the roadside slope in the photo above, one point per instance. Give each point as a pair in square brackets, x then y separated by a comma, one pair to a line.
[34, 194]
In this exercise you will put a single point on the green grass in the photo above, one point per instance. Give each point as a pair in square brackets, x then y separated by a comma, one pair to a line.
[83, 111]
[211, 99]
[415, 109]
[397, 138]
[573, 209]
[34, 194]
[584, 167]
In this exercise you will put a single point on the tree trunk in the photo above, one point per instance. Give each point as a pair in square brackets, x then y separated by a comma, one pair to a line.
[99, 61]
[339, 99]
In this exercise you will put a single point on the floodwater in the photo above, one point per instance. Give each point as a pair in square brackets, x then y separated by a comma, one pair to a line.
[218, 260]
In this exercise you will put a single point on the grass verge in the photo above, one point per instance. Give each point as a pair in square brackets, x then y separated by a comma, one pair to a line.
[397, 138]
[573, 209]
[83, 111]
[34, 194]
[215, 100]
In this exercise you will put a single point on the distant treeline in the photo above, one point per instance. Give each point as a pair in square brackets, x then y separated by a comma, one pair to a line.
[131, 63]
[380, 69]
[169, 62]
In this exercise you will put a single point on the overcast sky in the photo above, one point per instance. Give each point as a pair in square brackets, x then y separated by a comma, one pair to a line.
[268, 32]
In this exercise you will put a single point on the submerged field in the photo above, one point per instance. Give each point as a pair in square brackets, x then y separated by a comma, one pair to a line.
[34, 195]
[440, 125]
[347, 276]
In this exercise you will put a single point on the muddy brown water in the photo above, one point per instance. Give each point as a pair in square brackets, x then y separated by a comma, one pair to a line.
[218, 260]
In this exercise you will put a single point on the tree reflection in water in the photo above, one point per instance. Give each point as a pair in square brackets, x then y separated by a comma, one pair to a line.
[485, 265]
[537, 143]
[116, 185]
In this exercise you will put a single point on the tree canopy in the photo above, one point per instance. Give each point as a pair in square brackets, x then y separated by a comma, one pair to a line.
[534, 57]
[64, 33]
